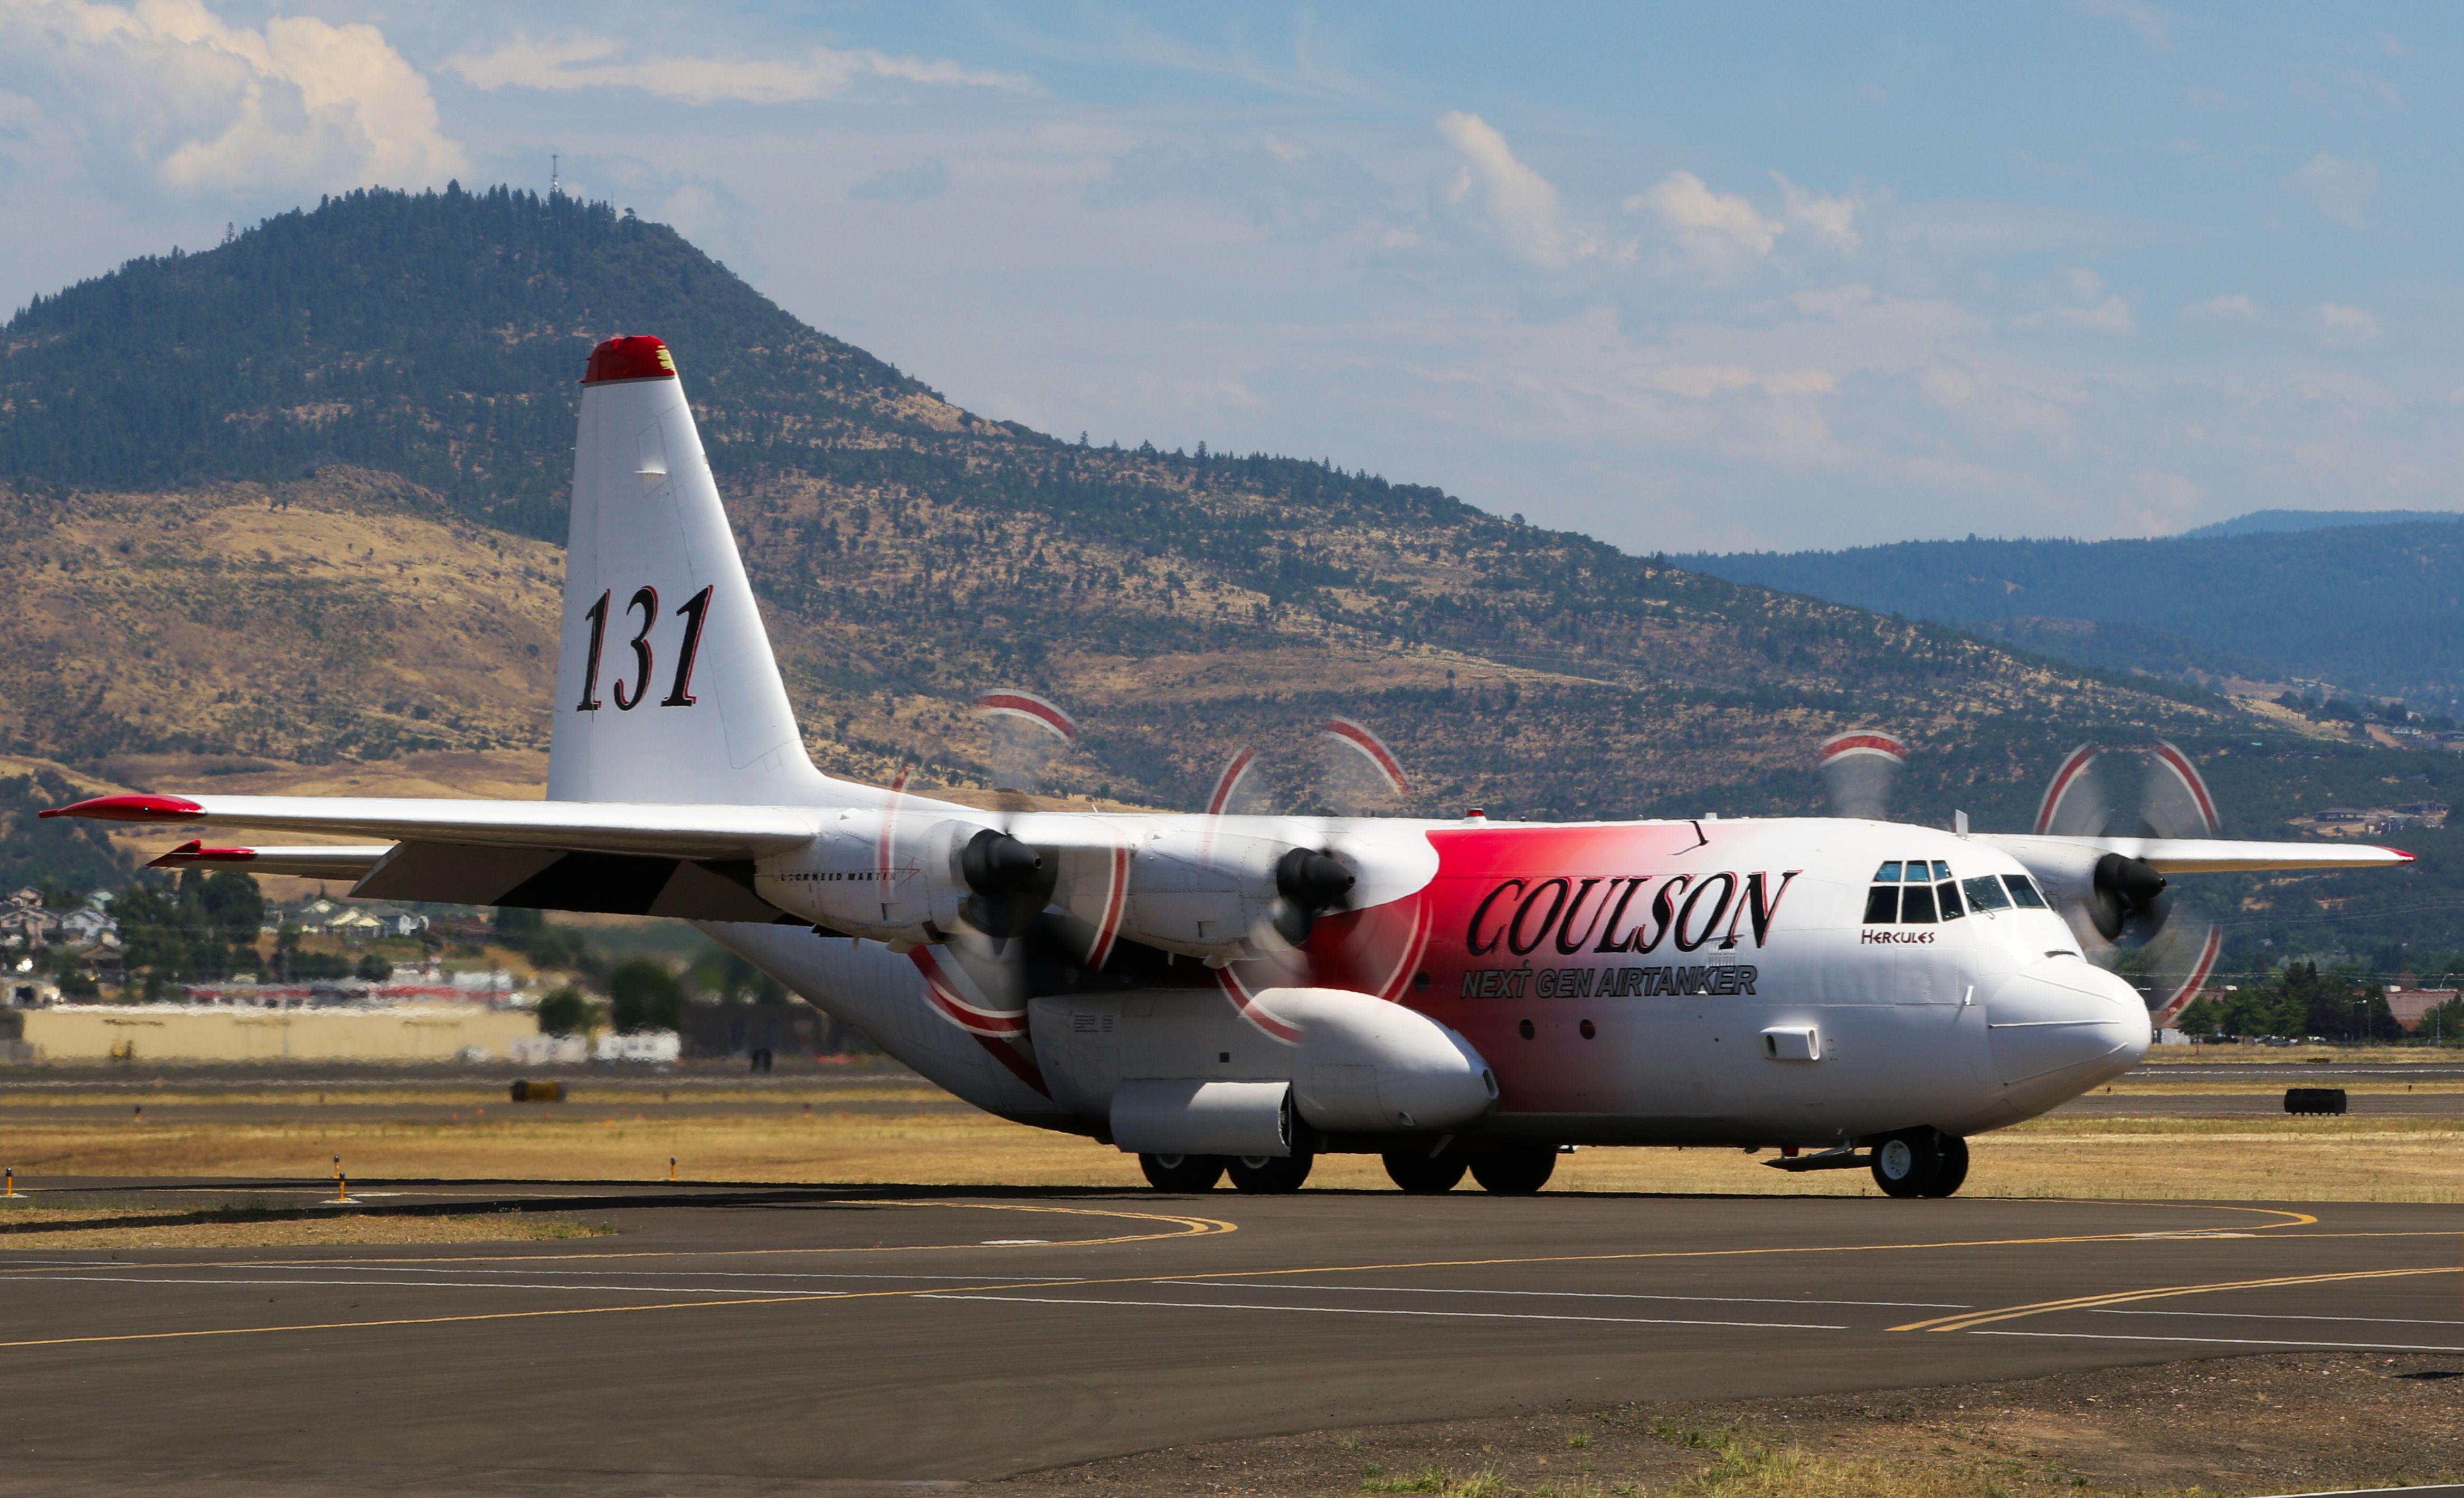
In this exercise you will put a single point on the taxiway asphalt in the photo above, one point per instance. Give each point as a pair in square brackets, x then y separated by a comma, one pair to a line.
[764, 1338]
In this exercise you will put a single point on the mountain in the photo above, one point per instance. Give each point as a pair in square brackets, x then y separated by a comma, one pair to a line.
[2258, 520]
[2374, 607]
[285, 514]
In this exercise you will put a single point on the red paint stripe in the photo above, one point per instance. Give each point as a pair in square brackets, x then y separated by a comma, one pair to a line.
[130, 809]
[1116, 899]
[2180, 765]
[1250, 1011]
[1861, 741]
[1369, 743]
[1020, 1066]
[1400, 978]
[1229, 782]
[2072, 768]
[945, 999]
[2200, 972]
[1027, 705]
[889, 822]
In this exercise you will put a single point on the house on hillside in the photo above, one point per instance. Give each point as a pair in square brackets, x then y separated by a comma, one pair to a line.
[25, 924]
[89, 925]
[353, 925]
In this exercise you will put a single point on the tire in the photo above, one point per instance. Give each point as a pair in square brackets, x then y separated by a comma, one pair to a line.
[1950, 1165]
[1516, 1172]
[1903, 1163]
[1182, 1172]
[1418, 1173]
[1270, 1174]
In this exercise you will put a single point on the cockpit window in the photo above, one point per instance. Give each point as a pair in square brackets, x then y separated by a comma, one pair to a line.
[1948, 893]
[1916, 904]
[1882, 905]
[2024, 892]
[1888, 873]
[1986, 894]
[1941, 870]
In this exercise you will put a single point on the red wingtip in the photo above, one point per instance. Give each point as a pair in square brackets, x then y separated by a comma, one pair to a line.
[131, 809]
[639, 356]
[2401, 853]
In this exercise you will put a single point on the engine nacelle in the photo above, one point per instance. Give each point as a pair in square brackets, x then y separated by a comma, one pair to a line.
[894, 879]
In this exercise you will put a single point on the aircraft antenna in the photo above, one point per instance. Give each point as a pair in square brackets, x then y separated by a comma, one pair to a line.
[551, 174]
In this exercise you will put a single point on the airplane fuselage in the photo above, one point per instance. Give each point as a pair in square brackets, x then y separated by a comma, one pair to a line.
[1658, 983]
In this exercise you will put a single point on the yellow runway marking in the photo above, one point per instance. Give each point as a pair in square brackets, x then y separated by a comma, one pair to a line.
[1193, 1226]
[1977, 1319]
[1189, 1227]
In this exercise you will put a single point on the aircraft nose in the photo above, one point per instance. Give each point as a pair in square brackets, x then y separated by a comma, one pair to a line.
[2065, 1016]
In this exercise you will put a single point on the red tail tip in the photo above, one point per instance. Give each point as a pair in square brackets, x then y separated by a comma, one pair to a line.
[638, 357]
[130, 809]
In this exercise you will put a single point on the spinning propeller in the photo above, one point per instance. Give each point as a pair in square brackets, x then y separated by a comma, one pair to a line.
[1857, 770]
[2131, 912]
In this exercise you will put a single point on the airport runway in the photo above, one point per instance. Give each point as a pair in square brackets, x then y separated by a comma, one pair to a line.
[745, 1340]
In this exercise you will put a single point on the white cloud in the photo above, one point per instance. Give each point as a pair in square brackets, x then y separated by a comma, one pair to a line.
[1517, 204]
[166, 92]
[1717, 229]
[2338, 186]
[927, 179]
[580, 62]
[2343, 326]
[1302, 192]
[2088, 308]
[1829, 219]
[2148, 24]
[2236, 308]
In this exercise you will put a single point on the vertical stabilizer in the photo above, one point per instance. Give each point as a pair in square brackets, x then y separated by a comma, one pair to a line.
[666, 690]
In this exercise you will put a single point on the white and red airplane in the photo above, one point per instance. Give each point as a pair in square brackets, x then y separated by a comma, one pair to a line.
[1221, 993]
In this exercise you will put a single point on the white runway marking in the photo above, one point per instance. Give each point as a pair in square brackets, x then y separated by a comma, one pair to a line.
[1704, 1300]
[2259, 1316]
[2228, 1341]
[1367, 1310]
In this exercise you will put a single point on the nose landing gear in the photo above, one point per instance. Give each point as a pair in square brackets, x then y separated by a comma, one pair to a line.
[1920, 1163]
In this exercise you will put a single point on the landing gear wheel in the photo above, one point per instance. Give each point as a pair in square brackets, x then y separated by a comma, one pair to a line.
[1516, 1172]
[1270, 1174]
[1182, 1172]
[1951, 1168]
[1920, 1162]
[1422, 1175]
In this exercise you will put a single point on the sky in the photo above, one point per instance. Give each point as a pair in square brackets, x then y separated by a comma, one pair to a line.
[1767, 277]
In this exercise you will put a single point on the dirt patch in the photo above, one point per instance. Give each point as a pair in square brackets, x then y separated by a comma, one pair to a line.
[55, 1228]
[2271, 1424]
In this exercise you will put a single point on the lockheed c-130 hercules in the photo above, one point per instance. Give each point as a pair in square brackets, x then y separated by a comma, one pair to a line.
[1220, 993]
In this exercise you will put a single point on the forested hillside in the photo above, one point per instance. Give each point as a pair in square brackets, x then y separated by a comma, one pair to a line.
[2371, 607]
[285, 513]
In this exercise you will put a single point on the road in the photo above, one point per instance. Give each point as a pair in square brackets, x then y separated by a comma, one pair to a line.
[745, 1340]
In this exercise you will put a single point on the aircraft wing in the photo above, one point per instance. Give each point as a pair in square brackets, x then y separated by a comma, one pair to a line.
[622, 828]
[2193, 856]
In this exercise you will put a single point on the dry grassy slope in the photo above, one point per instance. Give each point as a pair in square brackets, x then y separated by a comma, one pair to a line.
[1491, 696]
[346, 632]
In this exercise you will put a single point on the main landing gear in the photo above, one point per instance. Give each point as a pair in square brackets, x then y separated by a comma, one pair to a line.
[1920, 1163]
[1516, 1171]
[1261, 1175]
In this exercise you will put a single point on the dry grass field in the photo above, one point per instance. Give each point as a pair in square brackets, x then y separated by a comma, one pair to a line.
[899, 1132]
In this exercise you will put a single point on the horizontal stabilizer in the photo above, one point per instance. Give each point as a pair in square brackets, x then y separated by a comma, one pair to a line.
[310, 861]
